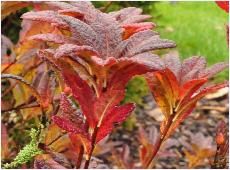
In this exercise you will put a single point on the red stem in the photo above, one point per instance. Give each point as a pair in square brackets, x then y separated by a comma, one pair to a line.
[79, 159]
[92, 147]
[160, 141]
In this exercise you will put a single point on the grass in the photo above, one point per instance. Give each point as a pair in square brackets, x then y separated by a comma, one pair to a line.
[198, 28]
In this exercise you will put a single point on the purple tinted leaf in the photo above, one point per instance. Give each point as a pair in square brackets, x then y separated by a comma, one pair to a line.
[46, 16]
[214, 69]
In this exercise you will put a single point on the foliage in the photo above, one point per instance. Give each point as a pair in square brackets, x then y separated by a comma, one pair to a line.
[177, 89]
[69, 70]
[27, 153]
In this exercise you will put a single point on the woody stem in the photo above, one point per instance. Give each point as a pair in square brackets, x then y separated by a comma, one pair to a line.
[92, 147]
[160, 140]
[79, 159]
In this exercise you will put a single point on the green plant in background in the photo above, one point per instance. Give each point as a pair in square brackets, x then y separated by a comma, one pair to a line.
[136, 87]
[135, 91]
[146, 6]
[199, 28]
[27, 153]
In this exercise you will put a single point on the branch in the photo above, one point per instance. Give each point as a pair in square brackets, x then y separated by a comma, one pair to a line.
[80, 156]
[22, 74]
[7, 67]
[94, 136]
[22, 107]
[160, 140]
[26, 83]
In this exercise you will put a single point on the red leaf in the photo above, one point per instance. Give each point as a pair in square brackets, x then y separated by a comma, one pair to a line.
[189, 88]
[165, 89]
[67, 125]
[116, 115]
[97, 65]
[126, 68]
[79, 139]
[82, 92]
[130, 29]
[70, 112]
[224, 5]
[175, 89]
[186, 109]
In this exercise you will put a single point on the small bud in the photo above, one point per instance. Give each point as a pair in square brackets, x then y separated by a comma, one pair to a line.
[67, 90]
[220, 139]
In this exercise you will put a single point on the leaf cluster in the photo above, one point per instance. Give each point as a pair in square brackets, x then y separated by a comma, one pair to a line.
[73, 62]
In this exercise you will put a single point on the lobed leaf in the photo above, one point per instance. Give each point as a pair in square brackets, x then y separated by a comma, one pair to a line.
[66, 124]
[82, 92]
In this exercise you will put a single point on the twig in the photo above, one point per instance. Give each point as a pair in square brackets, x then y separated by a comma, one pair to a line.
[22, 75]
[7, 67]
[22, 107]
[160, 140]
[92, 148]
[79, 159]
[20, 79]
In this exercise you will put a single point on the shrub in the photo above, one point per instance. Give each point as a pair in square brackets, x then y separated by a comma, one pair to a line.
[71, 66]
